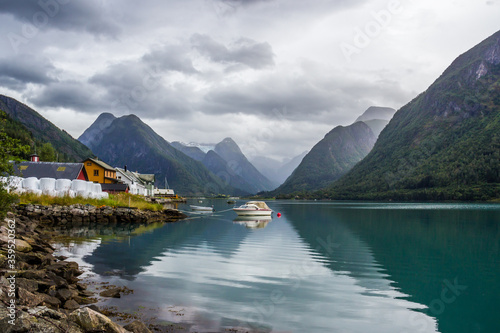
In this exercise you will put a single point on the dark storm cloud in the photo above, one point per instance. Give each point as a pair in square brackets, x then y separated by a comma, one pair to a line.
[228, 7]
[295, 100]
[170, 58]
[138, 85]
[121, 76]
[68, 94]
[243, 51]
[18, 71]
[145, 71]
[89, 16]
[241, 2]
[306, 97]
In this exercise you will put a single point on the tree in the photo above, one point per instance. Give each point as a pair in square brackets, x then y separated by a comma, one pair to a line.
[10, 149]
[47, 153]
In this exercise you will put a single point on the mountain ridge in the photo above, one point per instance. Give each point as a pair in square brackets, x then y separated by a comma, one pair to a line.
[329, 159]
[45, 131]
[231, 165]
[444, 144]
[241, 166]
[377, 112]
[147, 152]
[92, 133]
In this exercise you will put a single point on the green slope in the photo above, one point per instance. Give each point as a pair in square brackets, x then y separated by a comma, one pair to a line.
[445, 144]
[42, 131]
[330, 159]
[15, 130]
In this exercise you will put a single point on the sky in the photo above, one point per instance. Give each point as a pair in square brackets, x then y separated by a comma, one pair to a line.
[275, 75]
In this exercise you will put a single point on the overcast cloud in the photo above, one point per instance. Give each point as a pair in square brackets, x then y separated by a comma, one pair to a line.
[275, 75]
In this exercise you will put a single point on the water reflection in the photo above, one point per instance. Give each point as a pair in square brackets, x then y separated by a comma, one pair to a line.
[446, 257]
[253, 222]
[135, 254]
[320, 268]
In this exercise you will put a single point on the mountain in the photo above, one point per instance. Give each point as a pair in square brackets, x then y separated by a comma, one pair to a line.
[268, 167]
[276, 171]
[376, 125]
[377, 118]
[237, 161]
[94, 132]
[330, 158]
[219, 167]
[377, 112]
[129, 141]
[444, 144]
[191, 151]
[226, 160]
[43, 131]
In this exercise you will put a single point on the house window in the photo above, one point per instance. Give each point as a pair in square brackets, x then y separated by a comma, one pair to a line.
[96, 172]
[89, 163]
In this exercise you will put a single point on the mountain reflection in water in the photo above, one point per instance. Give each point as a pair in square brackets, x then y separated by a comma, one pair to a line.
[348, 267]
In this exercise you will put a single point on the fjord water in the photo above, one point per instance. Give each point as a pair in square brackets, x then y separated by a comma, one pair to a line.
[321, 267]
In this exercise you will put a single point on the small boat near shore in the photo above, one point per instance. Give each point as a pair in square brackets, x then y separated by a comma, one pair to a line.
[232, 200]
[254, 208]
[202, 208]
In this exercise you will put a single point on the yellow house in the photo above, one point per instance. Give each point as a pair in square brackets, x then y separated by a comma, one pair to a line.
[99, 172]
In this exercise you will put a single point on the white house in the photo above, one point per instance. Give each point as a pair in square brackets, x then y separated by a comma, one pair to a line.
[136, 185]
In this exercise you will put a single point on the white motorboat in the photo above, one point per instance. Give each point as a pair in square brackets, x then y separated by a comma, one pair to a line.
[202, 208]
[254, 208]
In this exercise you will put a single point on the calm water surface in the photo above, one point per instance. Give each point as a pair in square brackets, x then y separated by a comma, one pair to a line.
[321, 267]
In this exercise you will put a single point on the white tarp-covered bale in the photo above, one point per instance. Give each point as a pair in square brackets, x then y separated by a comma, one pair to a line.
[31, 184]
[97, 192]
[96, 188]
[48, 186]
[53, 187]
[90, 187]
[78, 185]
[63, 185]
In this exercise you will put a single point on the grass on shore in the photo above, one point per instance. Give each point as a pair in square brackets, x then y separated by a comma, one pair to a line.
[115, 200]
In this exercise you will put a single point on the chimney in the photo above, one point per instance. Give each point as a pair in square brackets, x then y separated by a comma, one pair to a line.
[125, 168]
[34, 158]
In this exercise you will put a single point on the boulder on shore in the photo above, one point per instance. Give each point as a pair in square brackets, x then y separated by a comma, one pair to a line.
[92, 321]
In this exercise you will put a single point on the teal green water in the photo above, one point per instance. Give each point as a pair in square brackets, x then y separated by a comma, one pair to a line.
[321, 267]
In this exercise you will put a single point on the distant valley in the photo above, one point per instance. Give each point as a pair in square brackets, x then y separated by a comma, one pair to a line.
[336, 153]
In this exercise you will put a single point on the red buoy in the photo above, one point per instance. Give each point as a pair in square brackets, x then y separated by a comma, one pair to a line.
[278, 215]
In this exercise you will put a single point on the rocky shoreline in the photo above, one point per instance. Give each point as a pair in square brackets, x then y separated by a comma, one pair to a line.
[41, 292]
[86, 214]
